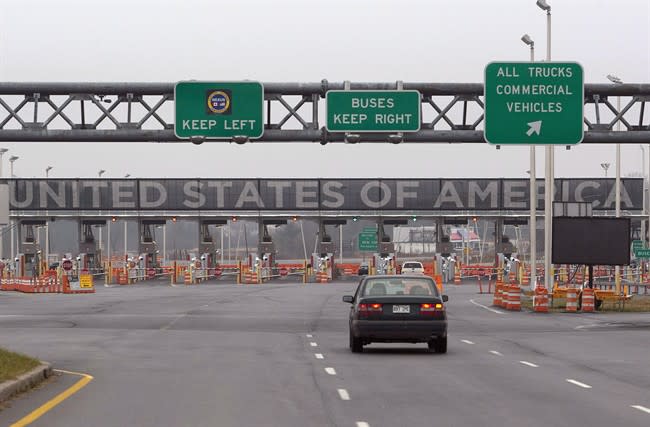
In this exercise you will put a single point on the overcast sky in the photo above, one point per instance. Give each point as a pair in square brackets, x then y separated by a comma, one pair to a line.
[306, 41]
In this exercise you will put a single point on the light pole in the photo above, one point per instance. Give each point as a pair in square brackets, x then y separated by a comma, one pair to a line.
[605, 166]
[101, 246]
[532, 222]
[12, 159]
[47, 171]
[643, 198]
[126, 254]
[2, 152]
[47, 224]
[617, 81]
[550, 173]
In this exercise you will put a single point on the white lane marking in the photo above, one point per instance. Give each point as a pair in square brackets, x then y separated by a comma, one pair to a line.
[467, 341]
[578, 383]
[532, 365]
[496, 352]
[486, 307]
[313, 344]
[330, 371]
[310, 336]
[362, 424]
[318, 356]
[639, 407]
[343, 394]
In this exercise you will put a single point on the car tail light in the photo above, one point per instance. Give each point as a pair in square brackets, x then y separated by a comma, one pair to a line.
[431, 307]
[369, 309]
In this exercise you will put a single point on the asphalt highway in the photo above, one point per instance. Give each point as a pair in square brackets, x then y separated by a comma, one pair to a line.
[277, 354]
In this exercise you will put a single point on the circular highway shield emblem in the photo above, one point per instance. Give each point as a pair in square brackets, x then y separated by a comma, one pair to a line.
[218, 102]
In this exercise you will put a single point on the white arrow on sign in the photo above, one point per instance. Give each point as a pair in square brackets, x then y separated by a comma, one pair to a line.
[534, 127]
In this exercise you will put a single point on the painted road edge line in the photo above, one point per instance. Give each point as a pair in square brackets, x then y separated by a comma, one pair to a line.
[362, 424]
[532, 365]
[343, 394]
[467, 342]
[50, 404]
[496, 352]
[578, 383]
[486, 307]
[641, 408]
[319, 356]
[330, 371]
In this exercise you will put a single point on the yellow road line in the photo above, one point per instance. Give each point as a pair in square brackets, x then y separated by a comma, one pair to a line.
[36, 414]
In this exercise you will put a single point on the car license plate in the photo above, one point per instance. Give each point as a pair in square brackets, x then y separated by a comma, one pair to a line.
[401, 309]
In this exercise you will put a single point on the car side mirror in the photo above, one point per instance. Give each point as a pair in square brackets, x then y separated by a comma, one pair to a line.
[348, 298]
[445, 298]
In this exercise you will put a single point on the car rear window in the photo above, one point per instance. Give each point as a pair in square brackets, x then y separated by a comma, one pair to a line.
[396, 287]
[412, 265]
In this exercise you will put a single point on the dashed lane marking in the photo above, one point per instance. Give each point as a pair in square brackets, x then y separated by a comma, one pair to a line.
[343, 394]
[641, 408]
[496, 352]
[362, 424]
[467, 341]
[486, 307]
[310, 336]
[532, 365]
[319, 356]
[578, 383]
[330, 371]
[313, 344]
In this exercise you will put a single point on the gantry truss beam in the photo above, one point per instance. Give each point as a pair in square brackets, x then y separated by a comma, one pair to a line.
[144, 112]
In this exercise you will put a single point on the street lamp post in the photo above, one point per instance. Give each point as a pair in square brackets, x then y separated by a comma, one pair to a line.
[605, 166]
[532, 223]
[617, 81]
[2, 152]
[12, 159]
[101, 245]
[643, 196]
[550, 173]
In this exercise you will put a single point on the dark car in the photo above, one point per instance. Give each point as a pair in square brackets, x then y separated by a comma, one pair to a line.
[363, 269]
[406, 308]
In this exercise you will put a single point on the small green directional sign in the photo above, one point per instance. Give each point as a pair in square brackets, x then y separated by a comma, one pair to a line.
[642, 253]
[368, 241]
[529, 103]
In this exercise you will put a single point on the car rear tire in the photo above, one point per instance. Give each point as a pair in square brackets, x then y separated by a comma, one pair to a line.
[440, 345]
[356, 345]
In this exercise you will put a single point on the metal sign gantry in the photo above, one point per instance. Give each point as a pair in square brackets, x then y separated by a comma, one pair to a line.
[144, 112]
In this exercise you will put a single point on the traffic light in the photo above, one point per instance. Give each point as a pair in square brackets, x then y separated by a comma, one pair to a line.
[414, 218]
[173, 219]
[294, 219]
[355, 218]
[114, 219]
[474, 219]
[233, 219]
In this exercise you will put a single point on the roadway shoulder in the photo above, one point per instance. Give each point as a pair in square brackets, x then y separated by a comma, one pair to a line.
[25, 382]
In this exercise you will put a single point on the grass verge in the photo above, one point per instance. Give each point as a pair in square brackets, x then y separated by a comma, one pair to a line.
[14, 364]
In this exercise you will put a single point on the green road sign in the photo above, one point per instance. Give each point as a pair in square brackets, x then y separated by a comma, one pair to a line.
[642, 253]
[368, 242]
[637, 244]
[219, 110]
[373, 110]
[534, 103]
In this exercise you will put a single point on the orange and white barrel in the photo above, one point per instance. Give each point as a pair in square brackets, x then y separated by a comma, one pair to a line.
[571, 300]
[588, 300]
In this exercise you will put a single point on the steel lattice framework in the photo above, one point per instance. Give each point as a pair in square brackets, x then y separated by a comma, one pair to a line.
[144, 112]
